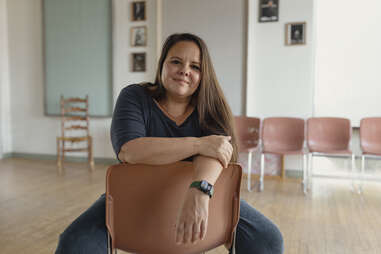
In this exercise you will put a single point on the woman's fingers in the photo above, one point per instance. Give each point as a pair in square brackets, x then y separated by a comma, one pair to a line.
[203, 228]
[196, 233]
[179, 233]
[188, 231]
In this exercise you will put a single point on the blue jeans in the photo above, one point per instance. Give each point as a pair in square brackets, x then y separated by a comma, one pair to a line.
[88, 234]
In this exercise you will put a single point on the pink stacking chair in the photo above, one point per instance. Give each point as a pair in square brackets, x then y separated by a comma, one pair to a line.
[283, 136]
[329, 136]
[370, 140]
[247, 129]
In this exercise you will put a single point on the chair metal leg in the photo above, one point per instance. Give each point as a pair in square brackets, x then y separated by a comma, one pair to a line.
[354, 173]
[309, 172]
[262, 172]
[109, 245]
[249, 171]
[362, 173]
[304, 183]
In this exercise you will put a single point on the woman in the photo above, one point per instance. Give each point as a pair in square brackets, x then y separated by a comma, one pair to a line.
[182, 116]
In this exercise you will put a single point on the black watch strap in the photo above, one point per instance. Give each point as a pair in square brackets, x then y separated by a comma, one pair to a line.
[203, 186]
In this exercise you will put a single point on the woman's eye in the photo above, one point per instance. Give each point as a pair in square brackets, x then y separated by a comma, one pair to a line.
[175, 61]
[196, 67]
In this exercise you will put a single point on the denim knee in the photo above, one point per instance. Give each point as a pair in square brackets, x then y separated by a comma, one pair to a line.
[256, 234]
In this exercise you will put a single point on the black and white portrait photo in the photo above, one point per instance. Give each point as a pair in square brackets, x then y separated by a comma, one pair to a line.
[268, 10]
[139, 36]
[138, 11]
[296, 33]
[138, 62]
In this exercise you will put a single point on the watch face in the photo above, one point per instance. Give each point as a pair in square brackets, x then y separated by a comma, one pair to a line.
[204, 185]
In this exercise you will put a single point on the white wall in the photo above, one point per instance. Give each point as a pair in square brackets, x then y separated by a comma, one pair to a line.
[221, 24]
[279, 76]
[348, 53]
[33, 132]
[5, 122]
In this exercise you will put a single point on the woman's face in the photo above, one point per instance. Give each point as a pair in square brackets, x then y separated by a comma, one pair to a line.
[181, 71]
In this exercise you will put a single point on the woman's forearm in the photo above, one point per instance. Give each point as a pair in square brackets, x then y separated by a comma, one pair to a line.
[206, 168]
[158, 151]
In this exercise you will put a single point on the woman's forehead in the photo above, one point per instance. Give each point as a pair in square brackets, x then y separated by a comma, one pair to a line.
[185, 49]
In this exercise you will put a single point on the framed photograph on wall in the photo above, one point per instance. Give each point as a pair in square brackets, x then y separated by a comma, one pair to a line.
[268, 10]
[139, 36]
[295, 33]
[138, 11]
[138, 62]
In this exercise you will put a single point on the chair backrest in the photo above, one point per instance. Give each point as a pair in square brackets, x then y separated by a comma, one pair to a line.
[74, 115]
[282, 135]
[370, 135]
[328, 134]
[247, 129]
[142, 202]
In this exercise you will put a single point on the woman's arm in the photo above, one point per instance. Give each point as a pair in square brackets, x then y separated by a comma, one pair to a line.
[192, 220]
[158, 151]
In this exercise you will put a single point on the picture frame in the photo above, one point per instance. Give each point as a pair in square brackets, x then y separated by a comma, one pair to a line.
[138, 11]
[139, 36]
[295, 33]
[268, 11]
[139, 62]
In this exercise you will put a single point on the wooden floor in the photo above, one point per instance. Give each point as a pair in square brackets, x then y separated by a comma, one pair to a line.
[36, 204]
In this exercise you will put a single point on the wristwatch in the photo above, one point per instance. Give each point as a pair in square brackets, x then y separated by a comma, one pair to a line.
[203, 186]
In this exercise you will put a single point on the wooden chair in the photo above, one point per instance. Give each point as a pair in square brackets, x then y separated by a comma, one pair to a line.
[248, 136]
[283, 135]
[74, 129]
[142, 202]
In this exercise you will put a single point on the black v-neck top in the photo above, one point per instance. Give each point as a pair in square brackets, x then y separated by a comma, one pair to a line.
[137, 115]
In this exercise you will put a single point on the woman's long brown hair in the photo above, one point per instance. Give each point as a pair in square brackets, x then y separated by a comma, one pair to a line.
[215, 115]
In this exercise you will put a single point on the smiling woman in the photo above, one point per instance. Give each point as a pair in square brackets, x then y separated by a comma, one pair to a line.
[183, 115]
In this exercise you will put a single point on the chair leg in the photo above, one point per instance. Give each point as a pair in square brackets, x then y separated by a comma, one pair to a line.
[362, 173]
[310, 172]
[262, 172]
[304, 183]
[353, 173]
[59, 162]
[249, 171]
[90, 153]
[109, 244]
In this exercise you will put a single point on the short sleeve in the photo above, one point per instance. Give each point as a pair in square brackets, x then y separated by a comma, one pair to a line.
[128, 117]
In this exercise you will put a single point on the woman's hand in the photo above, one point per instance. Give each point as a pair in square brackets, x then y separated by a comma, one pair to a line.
[218, 147]
[192, 219]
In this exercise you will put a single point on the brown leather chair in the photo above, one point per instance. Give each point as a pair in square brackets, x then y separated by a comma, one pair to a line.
[247, 129]
[282, 135]
[370, 140]
[329, 136]
[142, 202]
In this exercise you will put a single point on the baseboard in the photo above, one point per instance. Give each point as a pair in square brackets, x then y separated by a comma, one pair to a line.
[35, 156]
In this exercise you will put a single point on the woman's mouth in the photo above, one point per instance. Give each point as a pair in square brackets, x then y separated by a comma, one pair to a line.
[181, 81]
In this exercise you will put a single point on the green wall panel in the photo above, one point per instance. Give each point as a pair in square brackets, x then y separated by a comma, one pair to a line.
[78, 53]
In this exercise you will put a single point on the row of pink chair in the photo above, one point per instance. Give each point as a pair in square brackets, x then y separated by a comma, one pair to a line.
[316, 136]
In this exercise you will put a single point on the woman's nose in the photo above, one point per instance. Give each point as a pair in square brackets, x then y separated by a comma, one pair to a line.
[185, 71]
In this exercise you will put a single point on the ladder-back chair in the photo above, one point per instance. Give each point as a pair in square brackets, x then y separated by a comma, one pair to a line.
[74, 129]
